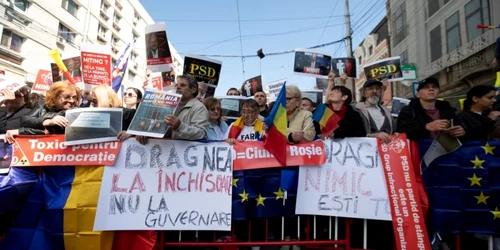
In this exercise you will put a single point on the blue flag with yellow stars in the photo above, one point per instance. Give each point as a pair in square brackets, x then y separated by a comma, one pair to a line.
[464, 188]
[264, 193]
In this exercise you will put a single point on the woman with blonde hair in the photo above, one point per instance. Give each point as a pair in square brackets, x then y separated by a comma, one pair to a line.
[103, 96]
[49, 118]
[300, 123]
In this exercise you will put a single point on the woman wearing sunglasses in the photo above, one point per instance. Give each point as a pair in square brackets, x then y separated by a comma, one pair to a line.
[131, 98]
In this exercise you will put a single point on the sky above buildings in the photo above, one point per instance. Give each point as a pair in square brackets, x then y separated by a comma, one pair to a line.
[211, 28]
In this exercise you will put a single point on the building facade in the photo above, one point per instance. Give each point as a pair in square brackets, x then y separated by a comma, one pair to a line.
[441, 38]
[31, 28]
[374, 47]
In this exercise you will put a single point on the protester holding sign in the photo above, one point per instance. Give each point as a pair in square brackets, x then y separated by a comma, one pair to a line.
[377, 119]
[300, 124]
[216, 126]
[190, 120]
[351, 123]
[49, 119]
[426, 116]
[16, 103]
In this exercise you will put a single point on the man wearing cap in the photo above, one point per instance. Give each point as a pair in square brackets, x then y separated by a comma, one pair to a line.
[377, 119]
[426, 116]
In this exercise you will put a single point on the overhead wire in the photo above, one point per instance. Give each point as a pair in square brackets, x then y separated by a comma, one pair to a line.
[331, 14]
[241, 42]
[247, 20]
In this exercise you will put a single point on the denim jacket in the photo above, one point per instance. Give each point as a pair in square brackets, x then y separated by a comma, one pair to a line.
[212, 135]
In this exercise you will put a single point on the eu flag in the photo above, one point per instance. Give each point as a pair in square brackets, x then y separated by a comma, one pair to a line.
[464, 188]
[264, 193]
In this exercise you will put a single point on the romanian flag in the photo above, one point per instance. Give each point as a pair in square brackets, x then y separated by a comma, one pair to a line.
[327, 119]
[60, 211]
[276, 140]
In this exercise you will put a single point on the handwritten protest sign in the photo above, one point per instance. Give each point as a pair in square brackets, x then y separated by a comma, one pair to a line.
[167, 185]
[96, 66]
[43, 81]
[6, 84]
[51, 150]
[350, 184]
[93, 125]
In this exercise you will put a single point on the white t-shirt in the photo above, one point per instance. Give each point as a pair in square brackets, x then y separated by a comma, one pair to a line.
[247, 133]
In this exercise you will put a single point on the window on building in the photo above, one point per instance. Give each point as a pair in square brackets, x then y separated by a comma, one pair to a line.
[114, 40]
[399, 24]
[404, 57]
[11, 40]
[433, 6]
[136, 18]
[360, 60]
[370, 50]
[101, 30]
[104, 6]
[476, 12]
[134, 36]
[70, 6]
[116, 18]
[445, 2]
[453, 32]
[21, 4]
[133, 56]
[131, 76]
[66, 33]
[113, 61]
[435, 43]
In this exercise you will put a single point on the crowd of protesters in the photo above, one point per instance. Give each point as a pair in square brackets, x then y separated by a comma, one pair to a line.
[200, 118]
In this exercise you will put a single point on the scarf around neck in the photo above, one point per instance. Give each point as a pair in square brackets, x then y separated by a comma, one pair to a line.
[238, 127]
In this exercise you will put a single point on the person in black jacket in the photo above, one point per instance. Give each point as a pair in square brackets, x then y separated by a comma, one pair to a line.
[426, 116]
[351, 123]
[49, 119]
[15, 107]
[476, 118]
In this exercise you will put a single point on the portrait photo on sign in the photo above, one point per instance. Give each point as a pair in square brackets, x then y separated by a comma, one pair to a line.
[321, 84]
[312, 63]
[92, 125]
[251, 86]
[159, 58]
[73, 65]
[344, 66]
[389, 69]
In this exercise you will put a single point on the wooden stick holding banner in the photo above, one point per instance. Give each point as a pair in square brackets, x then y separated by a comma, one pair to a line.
[54, 54]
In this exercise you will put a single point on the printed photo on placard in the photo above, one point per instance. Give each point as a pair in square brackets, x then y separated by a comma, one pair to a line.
[251, 86]
[168, 78]
[92, 125]
[158, 53]
[389, 69]
[344, 66]
[312, 63]
[398, 104]
[204, 70]
[73, 65]
[321, 84]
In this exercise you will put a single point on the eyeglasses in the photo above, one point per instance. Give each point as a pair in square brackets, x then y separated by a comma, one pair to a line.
[129, 95]
[290, 98]
[69, 98]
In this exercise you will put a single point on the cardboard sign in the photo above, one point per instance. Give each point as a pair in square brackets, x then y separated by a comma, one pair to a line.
[167, 185]
[311, 63]
[347, 185]
[252, 155]
[43, 81]
[251, 86]
[204, 70]
[407, 217]
[230, 106]
[344, 66]
[93, 125]
[316, 96]
[157, 49]
[96, 66]
[36, 151]
[388, 68]
[6, 84]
